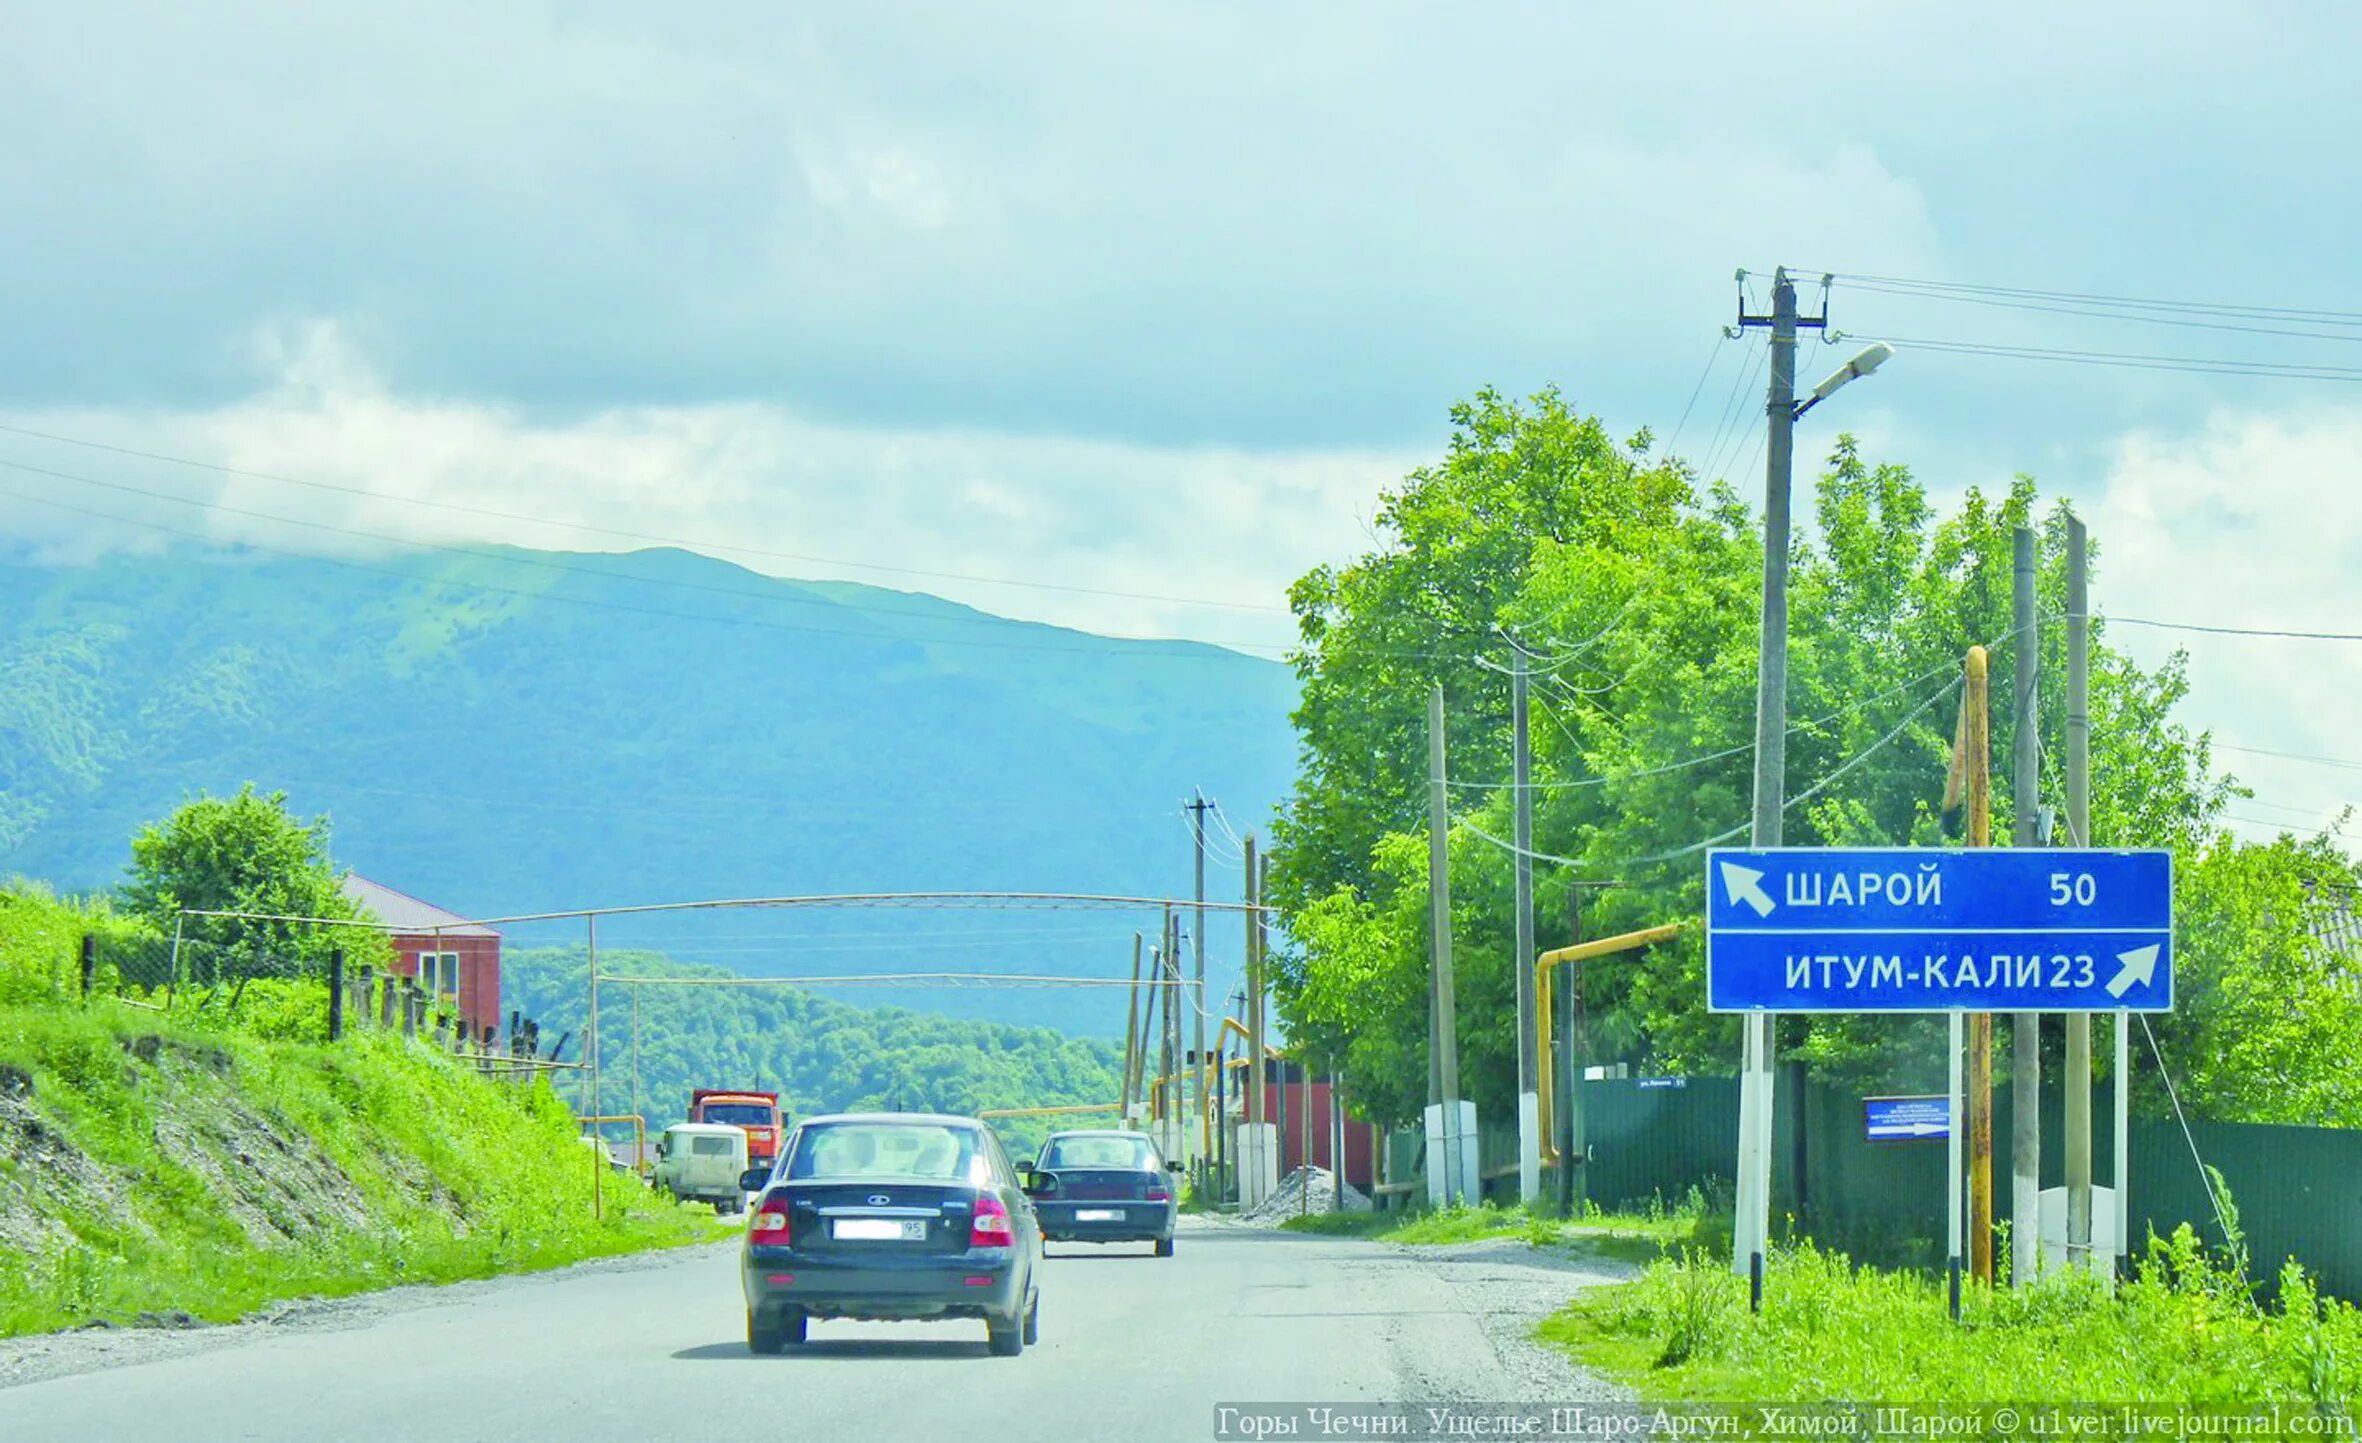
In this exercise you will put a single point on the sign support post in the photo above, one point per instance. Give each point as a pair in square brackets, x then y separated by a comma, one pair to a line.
[1952, 1179]
[1966, 932]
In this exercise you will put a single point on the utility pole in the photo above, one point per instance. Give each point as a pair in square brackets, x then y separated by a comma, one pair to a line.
[1570, 1069]
[593, 1045]
[1174, 1087]
[1161, 1004]
[1978, 776]
[1443, 1049]
[1132, 1037]
[1529, 1121]
[1252, 1095]
[1197, 943]
[2078, 1079]
[2025, 1042]
[1753, 1224]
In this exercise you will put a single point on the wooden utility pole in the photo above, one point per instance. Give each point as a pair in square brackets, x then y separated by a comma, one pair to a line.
[1977, 778]
[2025, 1042]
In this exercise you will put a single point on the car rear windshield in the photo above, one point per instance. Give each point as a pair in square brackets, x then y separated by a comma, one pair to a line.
[737, 1114]
[711, 1146]
[1130, 1153]
[890, 1149]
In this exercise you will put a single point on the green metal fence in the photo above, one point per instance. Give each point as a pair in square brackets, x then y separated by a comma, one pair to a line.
[2297, 1190]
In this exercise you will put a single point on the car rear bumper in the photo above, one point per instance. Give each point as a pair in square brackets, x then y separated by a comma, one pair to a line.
[883, 1286]
[1141, 1222]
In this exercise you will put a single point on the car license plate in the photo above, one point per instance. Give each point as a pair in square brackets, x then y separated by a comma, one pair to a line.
[879, 1230]
[1099, 1215]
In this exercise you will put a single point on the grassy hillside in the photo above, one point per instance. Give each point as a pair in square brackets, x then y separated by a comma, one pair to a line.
[821, 1055]
[153, 1164]
[519, 731]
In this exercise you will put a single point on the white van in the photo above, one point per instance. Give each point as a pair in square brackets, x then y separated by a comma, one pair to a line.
[701, 1161]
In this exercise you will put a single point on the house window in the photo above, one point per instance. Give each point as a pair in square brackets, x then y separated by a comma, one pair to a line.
[438, 973]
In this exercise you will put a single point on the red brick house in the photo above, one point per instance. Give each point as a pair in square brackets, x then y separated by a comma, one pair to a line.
[450, 956]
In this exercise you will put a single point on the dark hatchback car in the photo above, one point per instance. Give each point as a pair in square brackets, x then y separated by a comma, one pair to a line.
[889, 1216]
[1103, 1187]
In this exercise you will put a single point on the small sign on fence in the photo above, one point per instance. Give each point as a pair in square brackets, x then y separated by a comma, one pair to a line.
[1906, 1119]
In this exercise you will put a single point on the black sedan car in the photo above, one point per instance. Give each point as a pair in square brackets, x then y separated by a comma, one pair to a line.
[891, 1215]
[1103, 1187]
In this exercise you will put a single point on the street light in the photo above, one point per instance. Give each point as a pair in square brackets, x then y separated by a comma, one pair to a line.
[1751, 1231]
[1861, 365]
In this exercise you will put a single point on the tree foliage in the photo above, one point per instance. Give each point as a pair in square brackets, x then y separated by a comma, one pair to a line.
[245, 853]
[1639, 594]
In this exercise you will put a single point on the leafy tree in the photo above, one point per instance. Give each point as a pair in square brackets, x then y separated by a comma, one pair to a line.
[1639, 597]
[245, 853]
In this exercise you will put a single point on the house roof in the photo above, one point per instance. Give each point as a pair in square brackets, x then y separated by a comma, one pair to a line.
[405, 913]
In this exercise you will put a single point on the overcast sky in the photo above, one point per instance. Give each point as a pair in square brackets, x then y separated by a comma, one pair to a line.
[1156, 299]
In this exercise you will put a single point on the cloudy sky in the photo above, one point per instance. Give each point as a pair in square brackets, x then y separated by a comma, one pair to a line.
[1154, 300]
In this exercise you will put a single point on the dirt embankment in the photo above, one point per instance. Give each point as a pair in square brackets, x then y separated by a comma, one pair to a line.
[270, 1179]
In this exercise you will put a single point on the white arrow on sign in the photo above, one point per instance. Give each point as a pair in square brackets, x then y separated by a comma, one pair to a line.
[2139, 970]
[1745, 885]
[1915, 1129]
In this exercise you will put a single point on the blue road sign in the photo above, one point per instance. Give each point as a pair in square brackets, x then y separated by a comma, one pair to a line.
[1902, 1119]
[1980, 929]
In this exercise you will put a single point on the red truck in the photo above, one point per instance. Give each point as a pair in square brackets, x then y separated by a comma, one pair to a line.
[757, 1112]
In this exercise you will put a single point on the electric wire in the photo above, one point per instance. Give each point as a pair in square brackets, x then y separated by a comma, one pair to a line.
[1731, 751]
[587, 528]
[2285, 635]
[1112, 645]
[2132, 360]
[2110, 314]
[1806, 795]
[2181, 1117]
[540, 562]
[1721, 343]
[2326, 317]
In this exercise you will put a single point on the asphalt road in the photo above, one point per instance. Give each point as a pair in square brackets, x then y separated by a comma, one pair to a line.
[1132, 1347]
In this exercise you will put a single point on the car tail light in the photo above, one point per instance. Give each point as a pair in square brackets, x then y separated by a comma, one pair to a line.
[991, 1228]
[768, 1228]
[1160, 1194]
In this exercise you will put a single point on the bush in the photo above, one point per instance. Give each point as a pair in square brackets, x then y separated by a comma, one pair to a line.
[2189, 1328]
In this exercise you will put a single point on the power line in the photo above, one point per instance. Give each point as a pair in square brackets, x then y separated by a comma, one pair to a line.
[1126, 645]
[2100, 312]
[538, 561]
[2132, 360]
[2326, 317]
[1698, 846]
[1735, 410]
[588, 528]
[1715, 354]
[2291, 756]
[1730, 751]
[2238, 630]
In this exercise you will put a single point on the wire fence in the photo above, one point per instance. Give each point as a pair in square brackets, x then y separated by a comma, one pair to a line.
[303, 989]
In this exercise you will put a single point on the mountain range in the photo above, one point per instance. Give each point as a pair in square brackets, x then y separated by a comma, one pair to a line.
[504, 731]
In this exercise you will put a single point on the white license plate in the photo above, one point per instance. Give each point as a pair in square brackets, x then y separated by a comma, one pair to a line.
[879, 1230]
[1099, 1215]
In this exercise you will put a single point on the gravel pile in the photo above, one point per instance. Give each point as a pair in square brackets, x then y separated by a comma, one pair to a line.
[1306, 1190]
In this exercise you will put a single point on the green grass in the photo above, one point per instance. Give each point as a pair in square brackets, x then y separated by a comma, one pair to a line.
[1629, 1236]
[424, 1170]
[2190, 1329]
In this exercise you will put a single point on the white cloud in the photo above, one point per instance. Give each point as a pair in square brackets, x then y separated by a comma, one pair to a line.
[2253, 520]
[745, 481]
